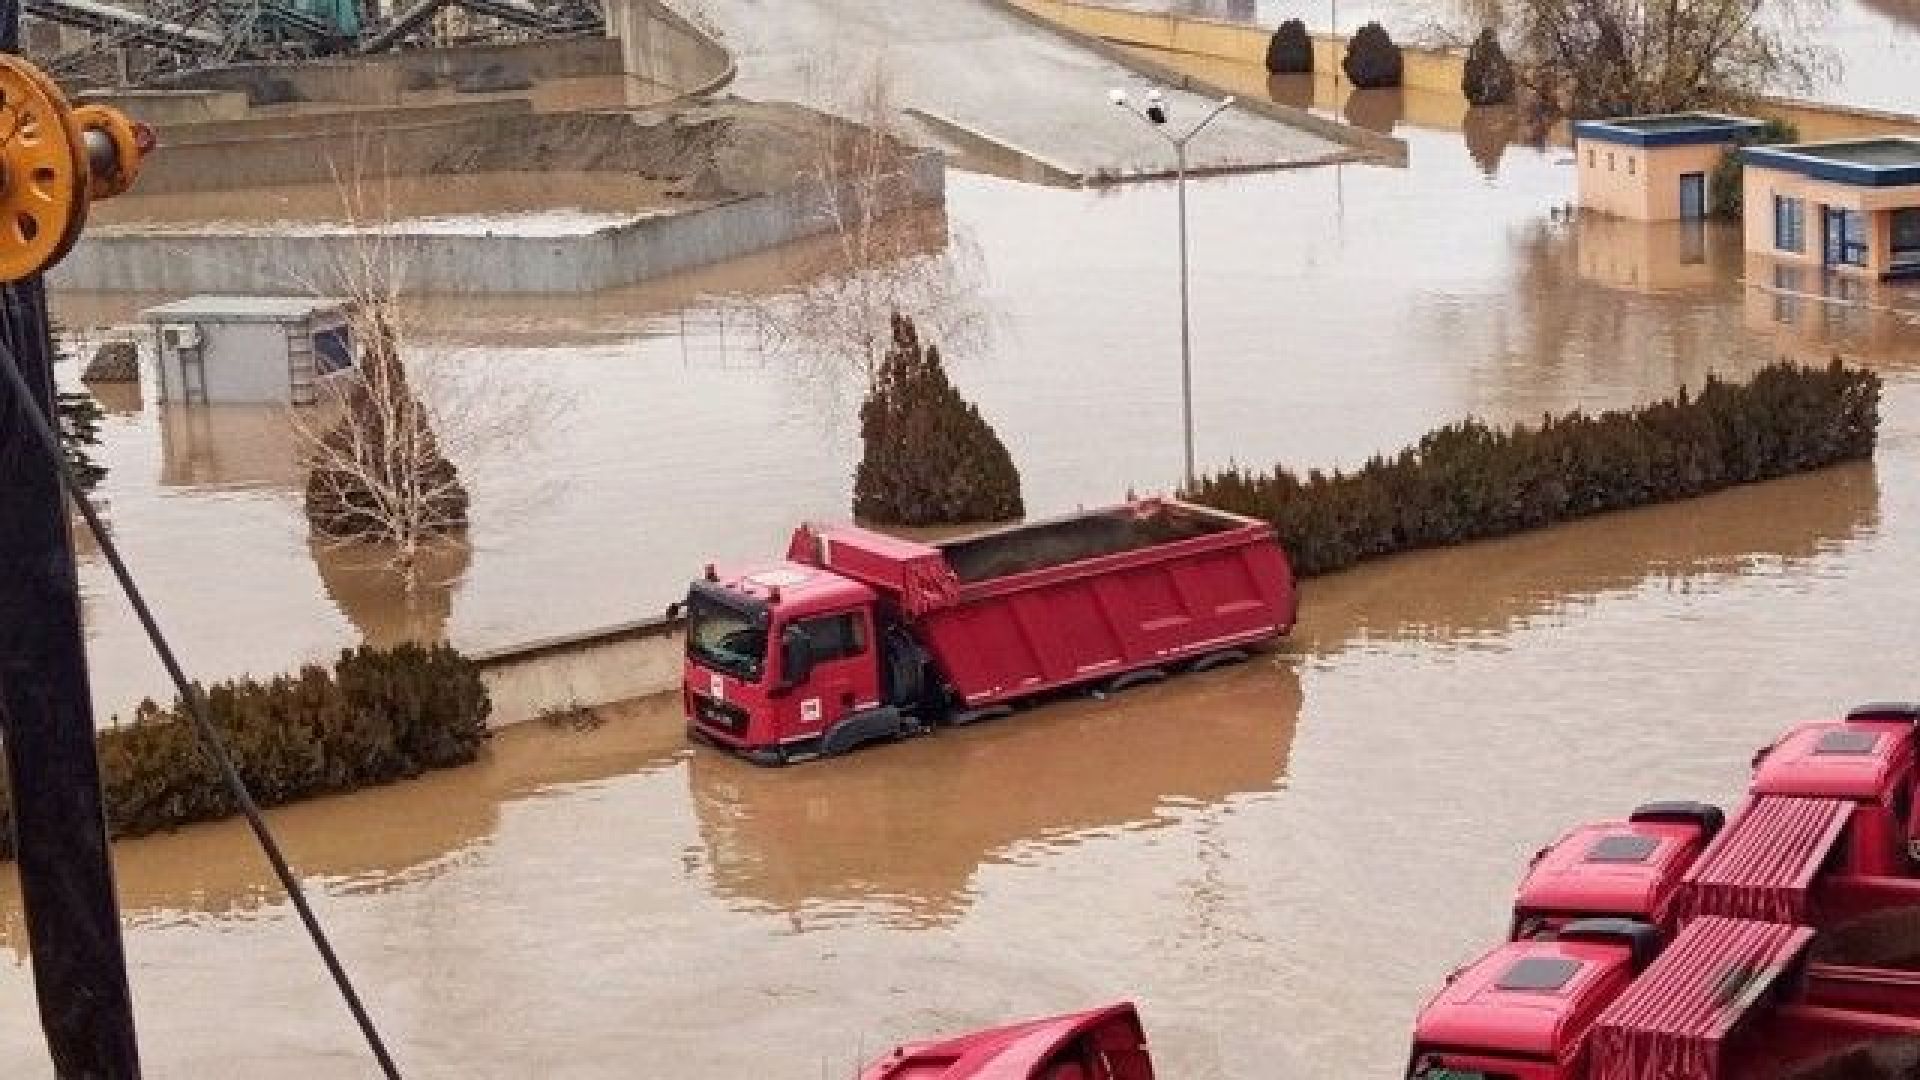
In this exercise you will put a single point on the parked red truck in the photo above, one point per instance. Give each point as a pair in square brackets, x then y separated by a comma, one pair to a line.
[1725, 999]
[1826, 838]
[858, 636]
[1099, 1044]
[1823, 845]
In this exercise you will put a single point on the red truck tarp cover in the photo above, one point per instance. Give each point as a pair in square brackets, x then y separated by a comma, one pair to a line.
[1763, 865]
[1673, 1021]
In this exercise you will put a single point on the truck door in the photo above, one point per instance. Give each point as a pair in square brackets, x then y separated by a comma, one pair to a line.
[845, 678]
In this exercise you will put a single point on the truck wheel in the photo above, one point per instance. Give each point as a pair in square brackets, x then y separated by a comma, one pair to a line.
[1218, 659]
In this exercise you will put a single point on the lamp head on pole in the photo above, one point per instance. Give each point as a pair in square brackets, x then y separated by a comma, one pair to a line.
[1156, 106]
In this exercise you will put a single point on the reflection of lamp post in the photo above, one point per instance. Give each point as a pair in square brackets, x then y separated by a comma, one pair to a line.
[1155, 114]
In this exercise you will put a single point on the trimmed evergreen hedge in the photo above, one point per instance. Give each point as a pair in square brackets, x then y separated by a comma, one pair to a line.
[379, 715]
[1469, 481]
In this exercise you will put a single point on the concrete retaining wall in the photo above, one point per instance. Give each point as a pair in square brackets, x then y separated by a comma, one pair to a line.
[383, 79]
[182, 142]
[657, 44]
[599, 667]
[641, 251]
[169, 108]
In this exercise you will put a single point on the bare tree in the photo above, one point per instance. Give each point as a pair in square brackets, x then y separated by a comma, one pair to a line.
[1587, 58]
[380, 447]
[884, 250]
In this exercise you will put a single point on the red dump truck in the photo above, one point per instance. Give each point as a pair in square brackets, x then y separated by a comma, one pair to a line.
[1826, 838]
[1100, 1044]
[1725, 999]
[1823, 845]
[857, 636]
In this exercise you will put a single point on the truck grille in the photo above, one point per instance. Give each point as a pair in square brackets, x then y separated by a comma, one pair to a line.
[719, 715]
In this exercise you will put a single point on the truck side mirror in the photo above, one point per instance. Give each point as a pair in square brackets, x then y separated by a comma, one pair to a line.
[796, 657]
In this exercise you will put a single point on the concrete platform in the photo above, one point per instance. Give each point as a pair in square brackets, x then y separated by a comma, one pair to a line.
[980, 68]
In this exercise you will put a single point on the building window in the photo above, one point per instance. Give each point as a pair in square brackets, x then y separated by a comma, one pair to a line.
[1609, 161]
[1589, 157]
[1853, 237]
[1631, 162]
[1789, 224]
[1906, 239]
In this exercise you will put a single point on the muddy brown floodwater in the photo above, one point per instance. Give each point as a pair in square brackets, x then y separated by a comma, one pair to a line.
[1278, 861]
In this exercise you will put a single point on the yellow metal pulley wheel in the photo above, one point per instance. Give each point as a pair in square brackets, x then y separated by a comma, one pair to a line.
[115, 147]
[43, 172]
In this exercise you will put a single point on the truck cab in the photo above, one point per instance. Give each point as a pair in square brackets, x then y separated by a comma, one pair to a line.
[1523, 1010]
[1615, 869]
[778, 656]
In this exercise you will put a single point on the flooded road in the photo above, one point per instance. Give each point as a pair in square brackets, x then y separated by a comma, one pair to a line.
[1278, 861]
[1367, 304]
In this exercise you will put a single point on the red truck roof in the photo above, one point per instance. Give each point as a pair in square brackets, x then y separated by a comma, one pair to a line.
[1763, 865]
[1627, 868]
[1525, 998]
[1069, 1047]
[1857, 759]
[1675, 1019]
[796, 588]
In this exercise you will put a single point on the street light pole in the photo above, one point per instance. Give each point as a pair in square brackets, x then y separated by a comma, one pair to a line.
[1186, 320]
[1155, 115]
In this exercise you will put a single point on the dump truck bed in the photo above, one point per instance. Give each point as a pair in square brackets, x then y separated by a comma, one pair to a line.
[1074, 599]
[1099, 595]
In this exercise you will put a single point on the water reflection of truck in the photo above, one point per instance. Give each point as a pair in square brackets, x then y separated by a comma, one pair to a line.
[857, 637]
[823, 844]
[1789, 935]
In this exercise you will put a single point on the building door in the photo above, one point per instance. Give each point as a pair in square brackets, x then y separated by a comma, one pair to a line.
[1693, 196]
[1833, 244]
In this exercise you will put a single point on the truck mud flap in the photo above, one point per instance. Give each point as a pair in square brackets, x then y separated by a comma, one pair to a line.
[859, 728]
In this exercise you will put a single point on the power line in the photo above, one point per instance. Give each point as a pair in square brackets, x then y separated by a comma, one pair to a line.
[210, 741]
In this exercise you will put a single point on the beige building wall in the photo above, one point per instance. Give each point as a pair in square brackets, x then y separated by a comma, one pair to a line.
[1641, 183]
[1762, 185]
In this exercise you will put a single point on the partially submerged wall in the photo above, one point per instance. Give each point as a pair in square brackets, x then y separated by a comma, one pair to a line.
[654, 247]
[660, 45]
[385, 79]
[599, 667]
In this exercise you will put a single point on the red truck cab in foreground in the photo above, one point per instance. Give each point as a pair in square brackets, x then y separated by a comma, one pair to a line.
[1623, 869]
[1100, 1044]
[1825, 838]
[1725, 999]
[857, 636]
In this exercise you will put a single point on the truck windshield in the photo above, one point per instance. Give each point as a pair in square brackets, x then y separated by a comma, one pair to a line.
[727, 638]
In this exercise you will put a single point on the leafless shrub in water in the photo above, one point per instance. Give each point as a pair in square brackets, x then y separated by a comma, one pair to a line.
[885, 253]
[382, 443]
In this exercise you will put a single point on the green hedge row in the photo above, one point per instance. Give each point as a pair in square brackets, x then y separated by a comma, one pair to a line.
[379, 715]
[1468, 481]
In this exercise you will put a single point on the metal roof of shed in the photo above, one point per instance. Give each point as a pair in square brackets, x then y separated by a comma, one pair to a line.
[243, 309]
